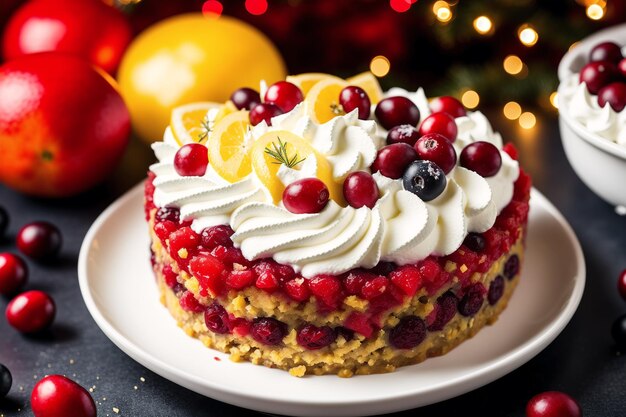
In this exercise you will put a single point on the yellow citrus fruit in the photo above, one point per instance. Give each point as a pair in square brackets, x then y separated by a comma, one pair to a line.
[322, 102]
[229, 146]
[308, 79]
[189, 123]
[368, 82]
[266, 166]
[190, 58]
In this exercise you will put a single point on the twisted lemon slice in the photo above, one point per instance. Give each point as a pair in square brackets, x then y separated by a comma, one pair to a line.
[229, 146]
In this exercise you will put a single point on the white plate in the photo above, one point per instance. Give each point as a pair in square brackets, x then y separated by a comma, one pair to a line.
[119, 289]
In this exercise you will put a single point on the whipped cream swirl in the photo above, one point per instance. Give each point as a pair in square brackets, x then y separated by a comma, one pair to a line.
[400, 228]
[582, 106]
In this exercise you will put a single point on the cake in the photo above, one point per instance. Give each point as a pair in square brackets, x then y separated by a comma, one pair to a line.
[321, 226]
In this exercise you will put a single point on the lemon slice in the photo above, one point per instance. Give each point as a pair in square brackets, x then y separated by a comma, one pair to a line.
[368, 82]
[229, 146]
[296, 148]
[189, 123]
[322, 102]
[307, 80]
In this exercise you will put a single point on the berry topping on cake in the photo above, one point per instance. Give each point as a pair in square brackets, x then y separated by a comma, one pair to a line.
[264, 112]
[449, 105]
[191, 160]
[441, 123]
[598, 74]
[308, 195]
[392, 160]
[606, 51]
[360, 189]
[614, 94]
[245, 98]
[403, 134]
[424, 179]
[481, 157]
[353, 97]
[284, 95]
[396, 111]
[438, 149]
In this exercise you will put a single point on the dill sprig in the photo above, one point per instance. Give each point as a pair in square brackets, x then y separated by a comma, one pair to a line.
[279, 153]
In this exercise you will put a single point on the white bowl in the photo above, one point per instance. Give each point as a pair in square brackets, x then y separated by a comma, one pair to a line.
[598, 162]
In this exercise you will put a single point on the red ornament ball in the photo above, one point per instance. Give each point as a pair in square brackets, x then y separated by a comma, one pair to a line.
[552, 404]
[59, 396]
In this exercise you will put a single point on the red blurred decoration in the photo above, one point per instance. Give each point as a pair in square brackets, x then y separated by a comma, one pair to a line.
[212, 8]
[401, 6]
[256, 7]
[87, 28]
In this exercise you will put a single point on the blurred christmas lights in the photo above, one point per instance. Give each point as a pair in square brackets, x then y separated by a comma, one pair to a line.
[483, 25]
[553, 99]
[256, 7]
[512, 110]
[212, 8]
[513, 64]
[400, 6]
[595, 11]
[527, 120]
[527, 35]
[470, 99]
[442, 11]
[379, 66]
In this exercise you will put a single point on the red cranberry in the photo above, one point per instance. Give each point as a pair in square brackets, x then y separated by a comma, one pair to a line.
[511, 267]
[618, 331]
[267, 281]
[407, 278]
[298, 289]
[208, 270]
[392, 160]
[171, 214]
[285, 95]
[191, 160]
[395, 111]
[482, 157]
[360, 189]
[13, 273]
[472, 301]
[164, 229]
[621, 284]
[438, 149]
[449, 105]
[344, 332]
[327, 289]
[31, 311]
[245, 98]
[183, 238]
[552, 404]
[598, 74]
[360, 323]
[169, 276]
[606, 51]
[353, 283]
[475, 242]
[614, 94]
[496, 289]
[216, 319]
[4, 222]
[441, 123]
[312, 337]
[264, 112]
[211, 237]
[445, 310]
[268, 331]
[6, 380]
[189, 303]
[39, 240]
[240, 279]
[353, 97]
[403, 134]
[58, 396]
[407, 334]
[511, 150]
[621, 67]
[308, 195]
[372, 288]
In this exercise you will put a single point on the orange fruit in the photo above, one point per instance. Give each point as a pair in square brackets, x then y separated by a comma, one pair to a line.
[307, 80]
[322, 102]
[229, 146]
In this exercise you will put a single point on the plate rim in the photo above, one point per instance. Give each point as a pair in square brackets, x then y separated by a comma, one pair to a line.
[508, 362]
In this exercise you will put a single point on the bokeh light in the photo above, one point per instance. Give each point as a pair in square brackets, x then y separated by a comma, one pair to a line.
[212, 8]
[553, 99]
[442, 11]
[512, 110]
[483, 25]
[380, 66]
[256, 7]
[527, 120]
[527, 35]
[400, 6]
[513, 64]
[470, 99]
[595, 12]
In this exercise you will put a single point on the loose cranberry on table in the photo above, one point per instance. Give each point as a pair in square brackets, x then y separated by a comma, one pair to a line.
[59, 396]
[4, 222]
[353, 97]
[39, 240]
[441, 123]
[449, 105]
[618, 331]
[6, 380]
[552, 404]
[614, 94]
[424, 179]
[395, 111]
[245, 98]
[191, 160]
[360, 189]
[31, 311]
[264, 112]
[308, 195]
[437, 148]
[13, 273]
[621, 284]
[606, 51]
[481, 157]
[403, 134]
[392, 160]
[598, 74]
[285, 95]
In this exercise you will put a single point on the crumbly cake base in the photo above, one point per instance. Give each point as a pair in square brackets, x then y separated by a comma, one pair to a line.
[359, 356]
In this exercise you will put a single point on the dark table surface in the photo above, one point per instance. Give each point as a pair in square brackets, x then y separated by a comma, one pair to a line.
[582, 361]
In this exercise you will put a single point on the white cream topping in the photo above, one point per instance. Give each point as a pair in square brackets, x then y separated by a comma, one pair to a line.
[400, 228]
[583, 107]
